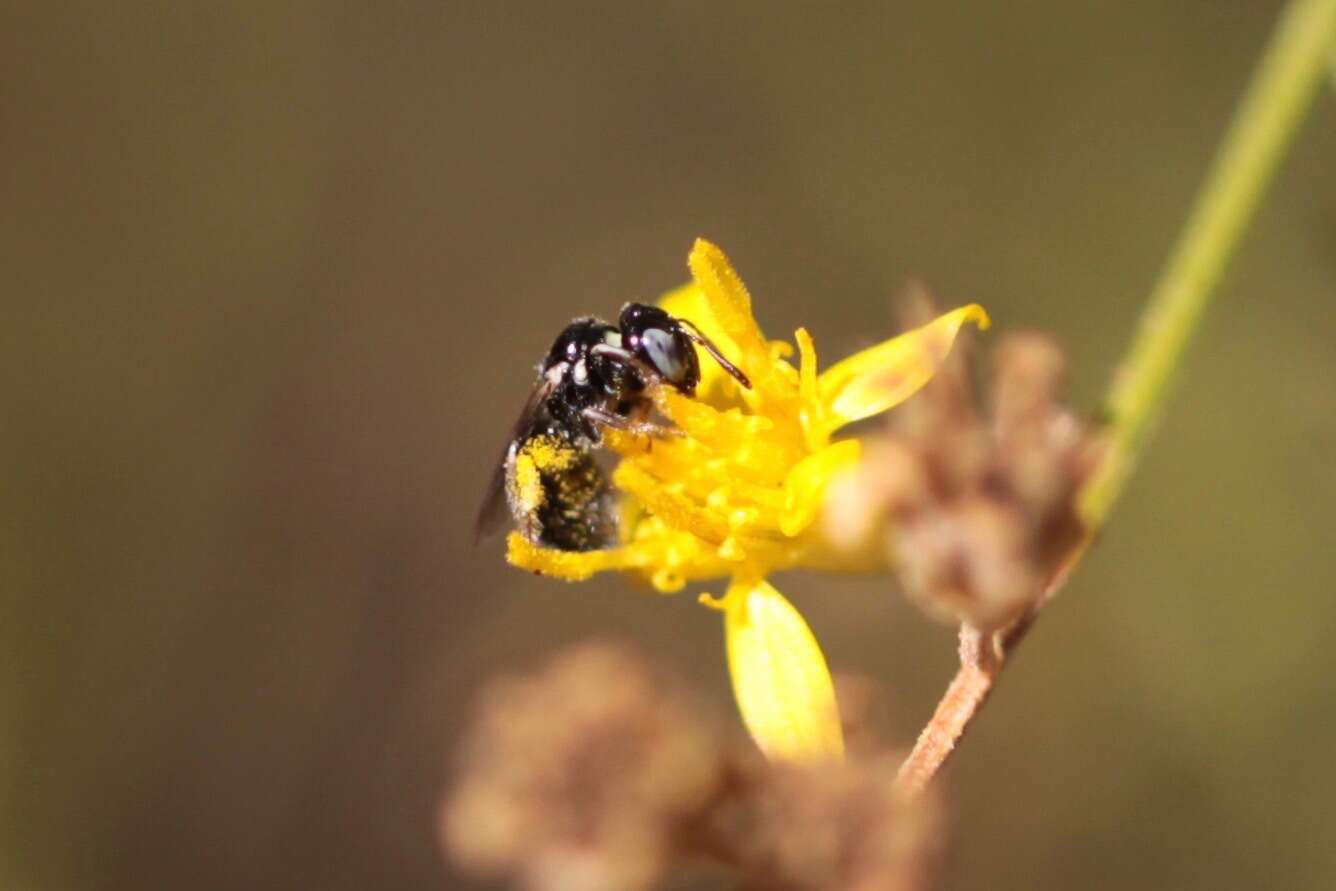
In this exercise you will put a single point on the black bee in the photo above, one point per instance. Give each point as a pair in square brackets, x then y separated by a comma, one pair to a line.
[595, 376]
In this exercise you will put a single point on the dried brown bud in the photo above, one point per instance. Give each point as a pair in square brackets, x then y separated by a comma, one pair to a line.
[977, 512]
[1028, 369]
[580, 777]
[839, 827]
[970, 562]
[591, 775]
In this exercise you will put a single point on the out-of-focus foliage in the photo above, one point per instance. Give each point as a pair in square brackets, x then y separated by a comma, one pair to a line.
[275, 278]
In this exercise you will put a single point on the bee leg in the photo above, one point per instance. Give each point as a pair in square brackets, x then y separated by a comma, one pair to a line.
[604, 418]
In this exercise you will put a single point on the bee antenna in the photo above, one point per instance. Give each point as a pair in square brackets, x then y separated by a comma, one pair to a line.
[694, 333]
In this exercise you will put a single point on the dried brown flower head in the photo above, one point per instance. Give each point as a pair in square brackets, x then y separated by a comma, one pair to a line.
[977, 511]
[838, 827]
[579, 777]
[590, 774]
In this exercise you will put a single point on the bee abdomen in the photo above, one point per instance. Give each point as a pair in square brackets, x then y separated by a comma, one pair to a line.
[559, 495]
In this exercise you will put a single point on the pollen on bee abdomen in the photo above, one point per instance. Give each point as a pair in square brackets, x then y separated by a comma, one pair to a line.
[550, 454]
[559, 496]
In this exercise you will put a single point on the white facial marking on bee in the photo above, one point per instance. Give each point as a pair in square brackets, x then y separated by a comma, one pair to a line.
[580, 372]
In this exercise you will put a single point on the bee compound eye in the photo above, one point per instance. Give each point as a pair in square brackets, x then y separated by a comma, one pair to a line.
[662, 351]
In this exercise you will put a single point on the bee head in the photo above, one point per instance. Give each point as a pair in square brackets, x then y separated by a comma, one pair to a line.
[659, 340]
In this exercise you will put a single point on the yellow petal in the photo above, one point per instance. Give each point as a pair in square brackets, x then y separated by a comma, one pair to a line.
[805, 489]
[780, 679]
[876, 379]
[725, 295]
[688, 302]
[813, 412]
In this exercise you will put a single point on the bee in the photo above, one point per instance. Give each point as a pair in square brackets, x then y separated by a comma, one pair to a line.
[595, 376]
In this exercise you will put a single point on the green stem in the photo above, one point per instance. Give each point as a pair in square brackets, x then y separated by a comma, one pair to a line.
[1287, 77]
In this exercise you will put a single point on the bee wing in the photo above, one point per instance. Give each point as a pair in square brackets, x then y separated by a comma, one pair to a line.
[495, 512]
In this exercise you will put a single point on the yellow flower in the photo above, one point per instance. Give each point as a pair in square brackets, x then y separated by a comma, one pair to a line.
[737, 495]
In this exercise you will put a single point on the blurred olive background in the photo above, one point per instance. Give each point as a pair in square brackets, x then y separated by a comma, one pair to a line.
[275, 277]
